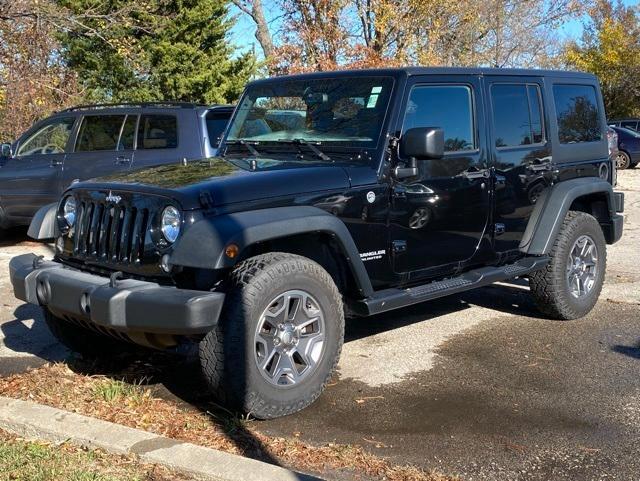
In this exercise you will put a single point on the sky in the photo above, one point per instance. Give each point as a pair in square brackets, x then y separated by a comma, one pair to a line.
[242, 34]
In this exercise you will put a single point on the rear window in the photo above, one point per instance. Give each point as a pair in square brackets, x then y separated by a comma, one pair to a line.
[158, 132]
[216, 123]
[99, 132]
[517, 114]
[577, 113]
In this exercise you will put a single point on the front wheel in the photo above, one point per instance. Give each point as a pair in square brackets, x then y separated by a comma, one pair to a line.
[569, 286]
[279, 336]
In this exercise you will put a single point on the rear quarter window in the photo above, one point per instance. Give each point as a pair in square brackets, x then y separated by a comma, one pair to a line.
[216, 124]
[158, 132]
[577, 113]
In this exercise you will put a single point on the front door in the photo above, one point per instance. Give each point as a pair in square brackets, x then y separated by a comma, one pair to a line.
[31, 178]
[104, 145]
[439, 219]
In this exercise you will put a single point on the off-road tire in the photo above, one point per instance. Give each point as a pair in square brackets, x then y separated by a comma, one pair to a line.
[549, 286]
[226, 353]
[84, 341]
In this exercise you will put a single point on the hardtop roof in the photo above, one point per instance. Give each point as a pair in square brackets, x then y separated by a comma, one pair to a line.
[411, 71]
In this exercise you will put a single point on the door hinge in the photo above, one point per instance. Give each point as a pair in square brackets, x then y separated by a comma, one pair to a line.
[399, 246]
[499, 229]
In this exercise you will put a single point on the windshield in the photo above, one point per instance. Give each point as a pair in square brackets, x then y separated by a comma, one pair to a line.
[344, 111]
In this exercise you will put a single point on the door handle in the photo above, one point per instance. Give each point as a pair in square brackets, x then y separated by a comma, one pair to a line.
[55, 162]
[475, 174]
[121, 159]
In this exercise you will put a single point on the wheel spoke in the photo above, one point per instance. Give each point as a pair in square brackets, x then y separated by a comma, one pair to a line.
[286, 368]
[306, 347]
[269, 348]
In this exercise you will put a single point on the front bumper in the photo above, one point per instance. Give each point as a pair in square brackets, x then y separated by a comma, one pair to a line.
[123, 305]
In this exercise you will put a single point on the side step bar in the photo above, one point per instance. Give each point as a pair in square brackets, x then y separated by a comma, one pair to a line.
[389, 299]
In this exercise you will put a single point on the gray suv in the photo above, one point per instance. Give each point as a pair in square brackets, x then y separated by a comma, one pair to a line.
[94, 140]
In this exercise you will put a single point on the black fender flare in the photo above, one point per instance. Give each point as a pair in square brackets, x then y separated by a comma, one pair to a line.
[203, 243]
[44, 225]
[552, 207]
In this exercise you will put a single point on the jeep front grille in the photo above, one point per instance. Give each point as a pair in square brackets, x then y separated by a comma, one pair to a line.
[110, 233]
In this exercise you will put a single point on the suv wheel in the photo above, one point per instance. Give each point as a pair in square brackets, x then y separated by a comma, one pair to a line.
[83, 341]
[279, 337]
[623, 161]
[569, 286]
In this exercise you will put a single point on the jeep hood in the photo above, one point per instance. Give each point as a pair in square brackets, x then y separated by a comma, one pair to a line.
[225, 182]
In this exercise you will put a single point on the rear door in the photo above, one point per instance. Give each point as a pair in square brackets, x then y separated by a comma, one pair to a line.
[521, 154]
[158, 138]
[32, 177]
[104, 145]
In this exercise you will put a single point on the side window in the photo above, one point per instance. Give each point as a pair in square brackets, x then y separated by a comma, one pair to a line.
[448, 107]
[577, 113]
[216, 123]
[158, 132]
[128, 134]
[630, 125]
[51, 138]
[99, 132]
[517, 114]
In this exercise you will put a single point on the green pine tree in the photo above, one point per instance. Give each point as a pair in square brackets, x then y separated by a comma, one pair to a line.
[137, 50]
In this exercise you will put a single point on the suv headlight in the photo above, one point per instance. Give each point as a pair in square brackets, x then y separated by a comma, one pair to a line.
[170, 223]
[69, 210]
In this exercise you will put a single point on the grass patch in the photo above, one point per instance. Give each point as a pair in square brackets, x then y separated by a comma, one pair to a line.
[22, 460]
[128, 401]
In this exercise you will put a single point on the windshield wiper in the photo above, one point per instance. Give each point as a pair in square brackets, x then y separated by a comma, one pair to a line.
[248, 144]
[312, 145]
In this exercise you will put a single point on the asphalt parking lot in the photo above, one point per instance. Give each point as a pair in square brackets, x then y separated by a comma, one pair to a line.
[476, 384]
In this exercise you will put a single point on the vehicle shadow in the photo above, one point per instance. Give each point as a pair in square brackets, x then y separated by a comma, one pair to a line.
[505, 298]
[13, 236]
[28, 333]
[631, 351]
[177, 376]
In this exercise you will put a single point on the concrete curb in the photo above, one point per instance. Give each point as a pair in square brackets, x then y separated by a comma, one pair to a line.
[35, 421]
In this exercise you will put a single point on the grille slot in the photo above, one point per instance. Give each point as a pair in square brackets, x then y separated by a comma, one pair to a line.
[110, 233]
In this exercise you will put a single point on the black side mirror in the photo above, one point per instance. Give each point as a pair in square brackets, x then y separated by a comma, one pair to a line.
[423, 143]
[5, 151]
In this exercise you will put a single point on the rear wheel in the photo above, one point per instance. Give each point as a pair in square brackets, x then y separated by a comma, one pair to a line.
[623, 161]
[569, 286]
[279, 336]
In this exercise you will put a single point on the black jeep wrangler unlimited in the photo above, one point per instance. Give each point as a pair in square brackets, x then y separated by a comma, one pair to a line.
[336, 194]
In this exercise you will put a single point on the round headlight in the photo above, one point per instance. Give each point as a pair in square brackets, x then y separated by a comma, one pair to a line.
[171, 223]
[69, 211]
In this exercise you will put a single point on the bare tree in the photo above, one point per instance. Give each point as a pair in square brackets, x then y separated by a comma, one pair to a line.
[254, 9]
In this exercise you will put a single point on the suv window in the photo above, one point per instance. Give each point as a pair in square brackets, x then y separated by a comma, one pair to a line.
[128, 135]
[51, 138]
[99, 132]
[577, 113]
[158, 132]
[216, 123]
[448, 107]
[517, 114]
